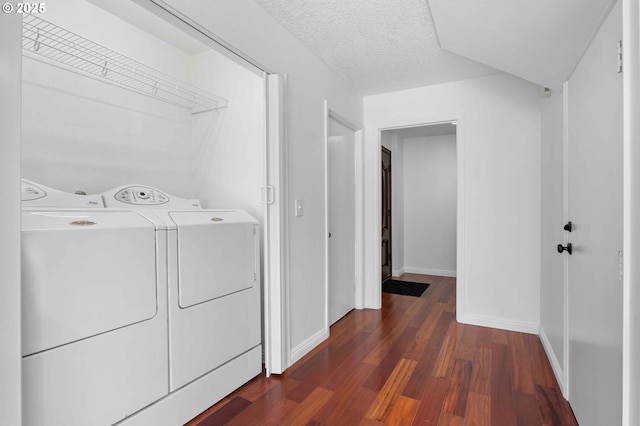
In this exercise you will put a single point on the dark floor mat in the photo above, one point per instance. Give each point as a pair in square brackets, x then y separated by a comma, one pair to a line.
[404, 287]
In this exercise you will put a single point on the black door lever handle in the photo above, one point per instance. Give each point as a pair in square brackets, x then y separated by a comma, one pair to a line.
[566, 248]
[568, 227]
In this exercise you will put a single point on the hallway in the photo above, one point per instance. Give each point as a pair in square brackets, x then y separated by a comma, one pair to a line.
[409, 363]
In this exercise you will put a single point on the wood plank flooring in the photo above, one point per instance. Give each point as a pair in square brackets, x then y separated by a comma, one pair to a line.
[407, 364]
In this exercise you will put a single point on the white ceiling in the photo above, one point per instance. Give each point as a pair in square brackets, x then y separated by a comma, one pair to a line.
[540, 41]
[377, 45]
[386, 45]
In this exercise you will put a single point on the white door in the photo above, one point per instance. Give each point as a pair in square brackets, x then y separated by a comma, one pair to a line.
[595, 209]
[341, 208]
[276, 345]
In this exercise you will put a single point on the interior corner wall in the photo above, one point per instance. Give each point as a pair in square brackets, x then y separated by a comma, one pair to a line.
[10, 128]
[230, 165]
[251, 31]
[552, 297]
[430, 197]
[499, 130]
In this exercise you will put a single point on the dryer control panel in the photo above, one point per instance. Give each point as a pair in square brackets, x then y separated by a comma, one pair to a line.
[145, 196]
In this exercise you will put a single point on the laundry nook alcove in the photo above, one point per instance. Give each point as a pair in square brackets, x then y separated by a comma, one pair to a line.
[143, 166]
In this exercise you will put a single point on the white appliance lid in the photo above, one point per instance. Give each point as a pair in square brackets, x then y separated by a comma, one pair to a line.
[83, 274]
[48, 220]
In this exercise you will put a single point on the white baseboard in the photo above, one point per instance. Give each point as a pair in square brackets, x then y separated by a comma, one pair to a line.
[500, 323]
[305, 347]
[553, 359]
[397, 272]
[430, 271]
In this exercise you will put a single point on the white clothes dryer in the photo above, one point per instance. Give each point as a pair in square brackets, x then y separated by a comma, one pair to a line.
[214, 286]
[94, 310]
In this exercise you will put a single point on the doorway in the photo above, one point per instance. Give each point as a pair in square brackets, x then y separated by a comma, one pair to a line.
[341, 207]
[423, 200]
[386, 247]
[230, 172]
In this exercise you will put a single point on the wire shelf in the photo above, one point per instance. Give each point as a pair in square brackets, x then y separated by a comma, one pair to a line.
[41, 38]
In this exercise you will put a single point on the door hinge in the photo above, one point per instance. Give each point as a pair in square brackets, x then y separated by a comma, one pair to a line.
[620, 56]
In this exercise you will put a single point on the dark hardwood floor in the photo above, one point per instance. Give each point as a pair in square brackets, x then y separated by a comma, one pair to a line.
[410, 363]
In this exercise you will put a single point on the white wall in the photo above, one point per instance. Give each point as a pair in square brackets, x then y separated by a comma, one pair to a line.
[230, 167]
[552, 291]
[430, 192]
[499, 202]
[250, 30]
[11, 353]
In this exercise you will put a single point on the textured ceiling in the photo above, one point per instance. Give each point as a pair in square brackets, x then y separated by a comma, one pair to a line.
[377, 45]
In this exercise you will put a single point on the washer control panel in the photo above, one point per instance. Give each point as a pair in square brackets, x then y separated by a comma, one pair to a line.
[38, 195]
[141, 195]
[31, 192]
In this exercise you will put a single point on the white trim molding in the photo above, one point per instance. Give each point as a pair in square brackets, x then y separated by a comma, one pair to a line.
[397, 272]
[500, 323]
[553, 360]
[308, 345]
[430, 271]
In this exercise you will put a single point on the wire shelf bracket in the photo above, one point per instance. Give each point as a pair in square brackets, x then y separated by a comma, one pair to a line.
[42, 39]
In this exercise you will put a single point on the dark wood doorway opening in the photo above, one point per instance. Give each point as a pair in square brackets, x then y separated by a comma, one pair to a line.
[386, 215]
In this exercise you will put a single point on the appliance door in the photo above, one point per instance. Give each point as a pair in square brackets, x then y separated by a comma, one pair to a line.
[84, 273]
[216, 254]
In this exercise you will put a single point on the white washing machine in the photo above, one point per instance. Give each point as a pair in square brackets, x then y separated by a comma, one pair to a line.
[37, 195]
[214, 287]
[94, 310]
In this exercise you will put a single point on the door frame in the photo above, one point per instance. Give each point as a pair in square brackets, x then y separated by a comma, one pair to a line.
[373, 291]
[631, 197]
[358, 179]
[383, 149]
[276, 309]
[565, 261]
[10, 167]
